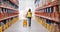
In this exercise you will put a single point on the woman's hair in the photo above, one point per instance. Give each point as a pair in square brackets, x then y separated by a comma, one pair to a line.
[29, 10]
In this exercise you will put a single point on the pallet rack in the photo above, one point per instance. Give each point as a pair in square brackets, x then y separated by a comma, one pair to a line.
[50, 11]
[8, 13]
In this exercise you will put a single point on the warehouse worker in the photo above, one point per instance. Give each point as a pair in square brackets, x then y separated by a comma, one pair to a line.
[29, 16]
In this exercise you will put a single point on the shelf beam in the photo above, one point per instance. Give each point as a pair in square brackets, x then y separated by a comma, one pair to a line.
[52, 4]
[56, 20]
[14, 2]
[8, 17]
[8, 7]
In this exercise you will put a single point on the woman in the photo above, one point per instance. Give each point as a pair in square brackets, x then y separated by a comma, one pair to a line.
[29, 16]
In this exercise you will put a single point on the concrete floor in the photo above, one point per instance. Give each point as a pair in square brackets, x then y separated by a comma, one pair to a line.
[18, 27]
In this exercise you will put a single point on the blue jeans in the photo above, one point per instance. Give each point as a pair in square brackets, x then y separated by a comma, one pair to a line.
[29, 21]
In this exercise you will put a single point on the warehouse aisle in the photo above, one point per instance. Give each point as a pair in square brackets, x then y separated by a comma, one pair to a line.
[17, 27]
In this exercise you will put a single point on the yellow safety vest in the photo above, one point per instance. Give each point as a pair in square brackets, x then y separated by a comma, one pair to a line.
[29, 14]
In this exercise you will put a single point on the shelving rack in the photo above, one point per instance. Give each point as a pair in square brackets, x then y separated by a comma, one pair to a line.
[48, 10]
[8, 13]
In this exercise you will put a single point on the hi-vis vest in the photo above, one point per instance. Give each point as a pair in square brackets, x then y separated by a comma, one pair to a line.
[29, 14]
